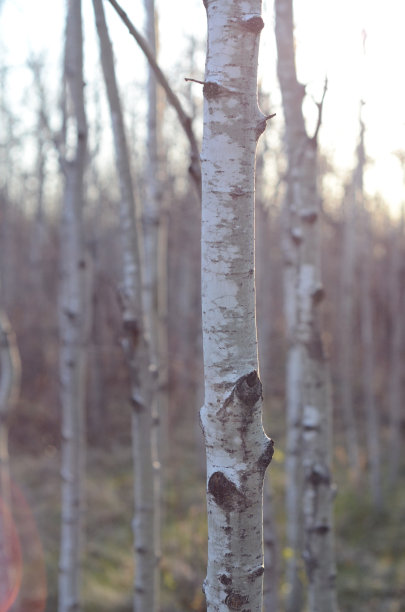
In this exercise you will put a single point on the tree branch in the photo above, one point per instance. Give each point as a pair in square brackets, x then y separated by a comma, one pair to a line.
[185, 120]
[320, 111]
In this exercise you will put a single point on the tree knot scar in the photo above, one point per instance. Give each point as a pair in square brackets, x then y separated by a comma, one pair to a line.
[249, 389]
[260, 128]
[319, 475]
[253, 24]
[132, 329]
[309, 215]
[262, 124]
[225, 493]
[226, 580]
[212, 90]
[235, 601]
[267, 455]
[257, 573]
[318, 294]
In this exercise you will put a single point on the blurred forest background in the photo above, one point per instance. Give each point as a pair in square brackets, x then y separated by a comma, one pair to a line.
[363, 259]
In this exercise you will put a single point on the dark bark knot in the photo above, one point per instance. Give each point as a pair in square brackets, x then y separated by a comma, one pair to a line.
[225, 493]
[309, 216]
[318, 295]
[235, 601]
[132, 330]
[212, 90]
[266, 457]
[253, 24]
[249, 389]
[257, 573]
[319, 475]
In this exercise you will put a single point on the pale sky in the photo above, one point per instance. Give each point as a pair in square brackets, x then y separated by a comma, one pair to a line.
[329, 40]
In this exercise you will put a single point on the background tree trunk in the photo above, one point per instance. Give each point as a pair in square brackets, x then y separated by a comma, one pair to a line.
[307, 372]
[345, 338]
[238, 451]
[134, 343]
[367, 330]
[396, 300]
[72, 318]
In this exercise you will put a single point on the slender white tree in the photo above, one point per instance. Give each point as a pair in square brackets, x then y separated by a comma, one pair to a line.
[72, 317]
[367, 328]
[238, 451]
[308, 392]
[134, 343]
[396, 300]
[346, 323]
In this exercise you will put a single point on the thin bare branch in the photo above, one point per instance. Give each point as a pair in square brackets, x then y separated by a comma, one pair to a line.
[320, 111]
[185, 120]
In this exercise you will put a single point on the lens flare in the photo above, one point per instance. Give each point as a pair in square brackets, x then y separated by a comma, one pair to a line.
[10, 559]
[22, 566]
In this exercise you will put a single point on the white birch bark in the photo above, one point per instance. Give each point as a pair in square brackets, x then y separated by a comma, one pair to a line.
[134, 343]
[238, 451]
[154, 267]
[307, 372]
[72, 321]
[293, 459]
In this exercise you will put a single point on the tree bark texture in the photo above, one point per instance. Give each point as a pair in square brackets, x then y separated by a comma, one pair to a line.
[308, 392]
[238, 451]
[134, 342]
[72, 319]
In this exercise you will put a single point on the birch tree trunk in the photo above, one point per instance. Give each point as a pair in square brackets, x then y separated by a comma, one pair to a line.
[367, 331]
[238, 451]
[396, 298]
[345, 344]
[72, 319]
[154, 288]
[134, 343]
[308, 392]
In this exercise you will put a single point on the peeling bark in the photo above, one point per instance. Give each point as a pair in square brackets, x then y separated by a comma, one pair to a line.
[238, 451]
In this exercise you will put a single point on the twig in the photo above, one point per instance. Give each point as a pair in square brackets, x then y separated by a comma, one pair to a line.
[194, 81]
[185, 120]
[320, 110]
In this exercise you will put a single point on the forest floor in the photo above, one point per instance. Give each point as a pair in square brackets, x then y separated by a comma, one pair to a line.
[370, 544]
